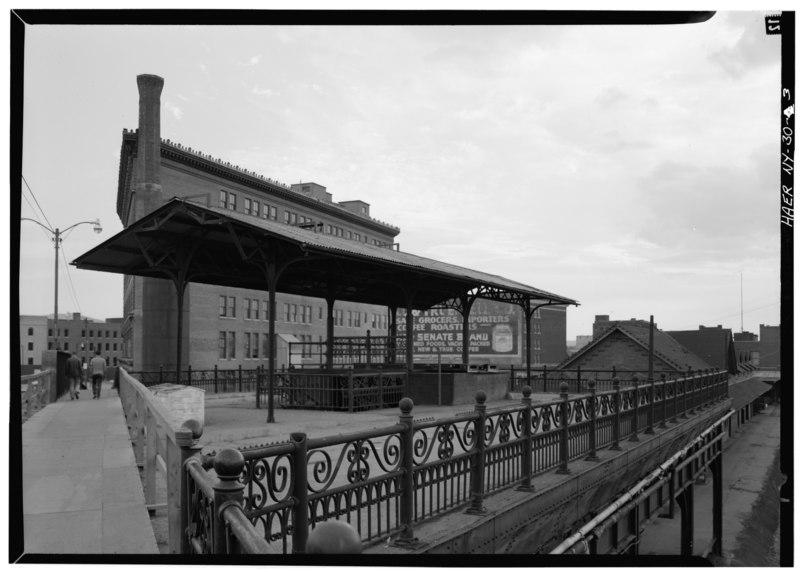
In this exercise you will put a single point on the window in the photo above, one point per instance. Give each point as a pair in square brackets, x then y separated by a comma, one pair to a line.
[50, 332]
[273, 213]
[338, 317]
[286, 217]
[254, 347]
[223, 199]
[292, 218]
[223, 305]
[349, 235]
[30, 361]
[231, 345]
[231, 201]
[256, 208]
[247, 308]
[108, 335]
[115, 360]
[49, 345]
[91, 346]
[66, 346]
[115, 347]
[83, 333]
[357, 236]
[107, 346]
[30, 331]
[247, 345]
[265, 306]
[248, 206]
[66, 332]
[286, 312]
[91, 333]
[231, 306]
[254, 305]
[320, 312]
[223, 339]
[30, 346]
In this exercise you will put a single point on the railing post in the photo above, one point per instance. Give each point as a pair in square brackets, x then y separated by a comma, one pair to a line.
[349, 390]
[578, 388]
[651, 411]
[592, 456]
[300, 488]
[178, 505]
[151, 453]
[478, 460]
[511, 381]
[527, 451]
[369, 350]
[544, 379]
[189, 374]
[258, 387]
[635, 420]
[406, 536]
[160, 374]
[240, 378]
[617, 405]
[228, 465]
[663, 424]
[380, 386]
[563, 449]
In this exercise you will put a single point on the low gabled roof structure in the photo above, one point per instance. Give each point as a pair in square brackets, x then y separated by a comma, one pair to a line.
[217, 246]
[665, 348]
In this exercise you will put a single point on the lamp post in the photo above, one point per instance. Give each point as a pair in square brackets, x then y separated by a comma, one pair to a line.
[56, 234]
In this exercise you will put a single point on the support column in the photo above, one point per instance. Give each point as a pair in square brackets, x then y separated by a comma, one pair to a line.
[526, 309]
[409, 342]
[466, 305]
[686, 502]
[716, 508]
[331, 300]
[392, 349]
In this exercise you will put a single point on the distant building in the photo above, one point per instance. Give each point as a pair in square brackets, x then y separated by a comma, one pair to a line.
[33, 340]
[714, 345]
[582, 341]
[748, 348]
[602, 323]
[626, 348]
[75, 334]
[770, 349]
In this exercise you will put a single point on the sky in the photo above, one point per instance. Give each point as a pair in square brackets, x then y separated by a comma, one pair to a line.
[632, 168]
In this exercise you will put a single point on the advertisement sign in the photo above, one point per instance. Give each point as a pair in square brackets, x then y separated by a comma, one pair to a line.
[494, 329]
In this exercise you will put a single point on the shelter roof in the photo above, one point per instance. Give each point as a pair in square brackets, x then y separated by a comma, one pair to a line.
[182, 240]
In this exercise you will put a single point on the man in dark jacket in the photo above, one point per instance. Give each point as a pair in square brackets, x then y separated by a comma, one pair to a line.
[74, 375]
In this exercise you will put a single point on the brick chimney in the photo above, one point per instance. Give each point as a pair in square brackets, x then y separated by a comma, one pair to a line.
[148, 151]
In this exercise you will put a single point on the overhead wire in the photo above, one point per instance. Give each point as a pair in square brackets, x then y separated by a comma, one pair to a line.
[41, 210]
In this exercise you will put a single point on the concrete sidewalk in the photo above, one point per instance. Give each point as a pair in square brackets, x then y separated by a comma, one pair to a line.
[82, 493]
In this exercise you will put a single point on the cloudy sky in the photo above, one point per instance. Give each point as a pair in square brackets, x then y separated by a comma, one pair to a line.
[635, 169]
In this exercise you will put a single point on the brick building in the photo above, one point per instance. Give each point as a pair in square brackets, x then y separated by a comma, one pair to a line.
[626, 348]
[714, 345]
[75, 333]
[227, 327]
[770, 346]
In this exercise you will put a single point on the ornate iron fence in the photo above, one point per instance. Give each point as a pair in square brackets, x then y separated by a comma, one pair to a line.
[383, 481]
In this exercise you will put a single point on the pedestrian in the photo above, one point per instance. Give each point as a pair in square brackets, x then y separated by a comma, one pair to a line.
[97, 369]
[74, 374]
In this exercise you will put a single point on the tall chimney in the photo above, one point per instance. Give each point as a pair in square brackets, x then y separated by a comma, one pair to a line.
[148, 162]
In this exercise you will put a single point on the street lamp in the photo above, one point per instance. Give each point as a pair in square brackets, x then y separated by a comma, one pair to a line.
[56, 234]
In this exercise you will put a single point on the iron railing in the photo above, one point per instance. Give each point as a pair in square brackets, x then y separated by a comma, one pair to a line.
[211, 380]
[350, 351]
[385, 480]
[338, 390]
[548, 380]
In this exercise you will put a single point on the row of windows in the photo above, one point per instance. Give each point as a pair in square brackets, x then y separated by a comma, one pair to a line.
[255, 309]
[297, 313]
[255, 345]
[66, 346]
[109, 333]
[227, 200]
[30, 361]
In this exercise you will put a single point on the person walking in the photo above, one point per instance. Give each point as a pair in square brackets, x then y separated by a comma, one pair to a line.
[97, 369]
[74, 375]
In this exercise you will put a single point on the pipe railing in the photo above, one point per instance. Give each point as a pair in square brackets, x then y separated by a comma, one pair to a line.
[36, 392]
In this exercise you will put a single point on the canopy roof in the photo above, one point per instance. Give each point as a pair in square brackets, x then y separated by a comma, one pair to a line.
[188, 242]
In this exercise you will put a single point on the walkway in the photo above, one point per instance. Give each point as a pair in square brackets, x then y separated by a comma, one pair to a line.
[82, 493]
